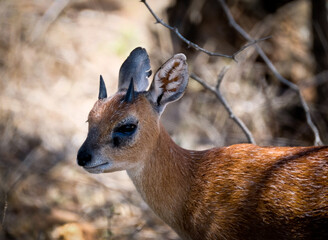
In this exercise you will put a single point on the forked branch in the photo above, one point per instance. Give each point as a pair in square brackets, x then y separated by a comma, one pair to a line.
[217, 93]
[259, 50]
[194, 45]
[294, 87]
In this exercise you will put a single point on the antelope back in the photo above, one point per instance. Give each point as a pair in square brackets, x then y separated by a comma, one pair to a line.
[123, 128]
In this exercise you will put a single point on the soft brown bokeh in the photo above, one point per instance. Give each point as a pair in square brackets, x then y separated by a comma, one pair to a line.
[51, 56]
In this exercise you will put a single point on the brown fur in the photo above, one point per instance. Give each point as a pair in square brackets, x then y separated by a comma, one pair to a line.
[236, 192]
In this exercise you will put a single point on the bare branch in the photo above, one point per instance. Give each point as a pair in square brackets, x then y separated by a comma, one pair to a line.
[224, 102]
[251, 42]
[220, 78]
[294, 87]
[194, 45]
[48, 18]
[4, 211]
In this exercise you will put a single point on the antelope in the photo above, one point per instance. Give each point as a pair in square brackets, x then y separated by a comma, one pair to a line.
[241, 191]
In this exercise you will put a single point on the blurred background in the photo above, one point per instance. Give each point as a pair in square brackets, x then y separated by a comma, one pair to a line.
[51, 56]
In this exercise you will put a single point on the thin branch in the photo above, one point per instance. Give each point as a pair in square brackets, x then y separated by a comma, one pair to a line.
[220, 78]
[224, 102]
[251, 43]
[5, 206]
[194, 45]
[48, 18]
[319, 79]
[294, 87]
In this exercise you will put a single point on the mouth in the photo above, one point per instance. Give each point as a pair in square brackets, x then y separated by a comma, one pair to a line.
[97, 168]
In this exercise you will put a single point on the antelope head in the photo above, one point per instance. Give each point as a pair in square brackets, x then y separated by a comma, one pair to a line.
[124, 128]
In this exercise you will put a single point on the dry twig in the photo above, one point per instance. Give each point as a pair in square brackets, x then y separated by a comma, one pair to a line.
[204, 84]
[5, 206]
[251, 41]
[48, 18]
[294, 87]
[224, 102]
[194, 45]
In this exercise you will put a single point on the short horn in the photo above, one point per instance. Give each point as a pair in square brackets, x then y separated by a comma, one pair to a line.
[129, 97]
[102, 89]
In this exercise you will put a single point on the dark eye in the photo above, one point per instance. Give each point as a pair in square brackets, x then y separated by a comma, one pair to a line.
[126, 129]
[123, 133]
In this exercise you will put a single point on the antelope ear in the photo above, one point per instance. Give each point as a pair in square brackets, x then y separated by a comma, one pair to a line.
[136, 67]
[169, 83]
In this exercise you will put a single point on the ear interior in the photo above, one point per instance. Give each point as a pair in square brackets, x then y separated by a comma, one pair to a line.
[170, 82]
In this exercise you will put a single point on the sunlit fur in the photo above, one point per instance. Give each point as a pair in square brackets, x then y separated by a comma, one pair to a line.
[236, 192]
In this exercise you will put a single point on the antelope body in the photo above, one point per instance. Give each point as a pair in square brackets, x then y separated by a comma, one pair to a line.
[241, 191]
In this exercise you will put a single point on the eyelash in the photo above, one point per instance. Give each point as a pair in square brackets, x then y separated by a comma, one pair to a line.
[126, 129]
[122, 134]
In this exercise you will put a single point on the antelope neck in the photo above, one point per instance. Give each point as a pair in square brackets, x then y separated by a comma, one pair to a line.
[165, 178]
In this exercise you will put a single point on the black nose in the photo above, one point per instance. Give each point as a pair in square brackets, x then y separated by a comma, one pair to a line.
[83, 157]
